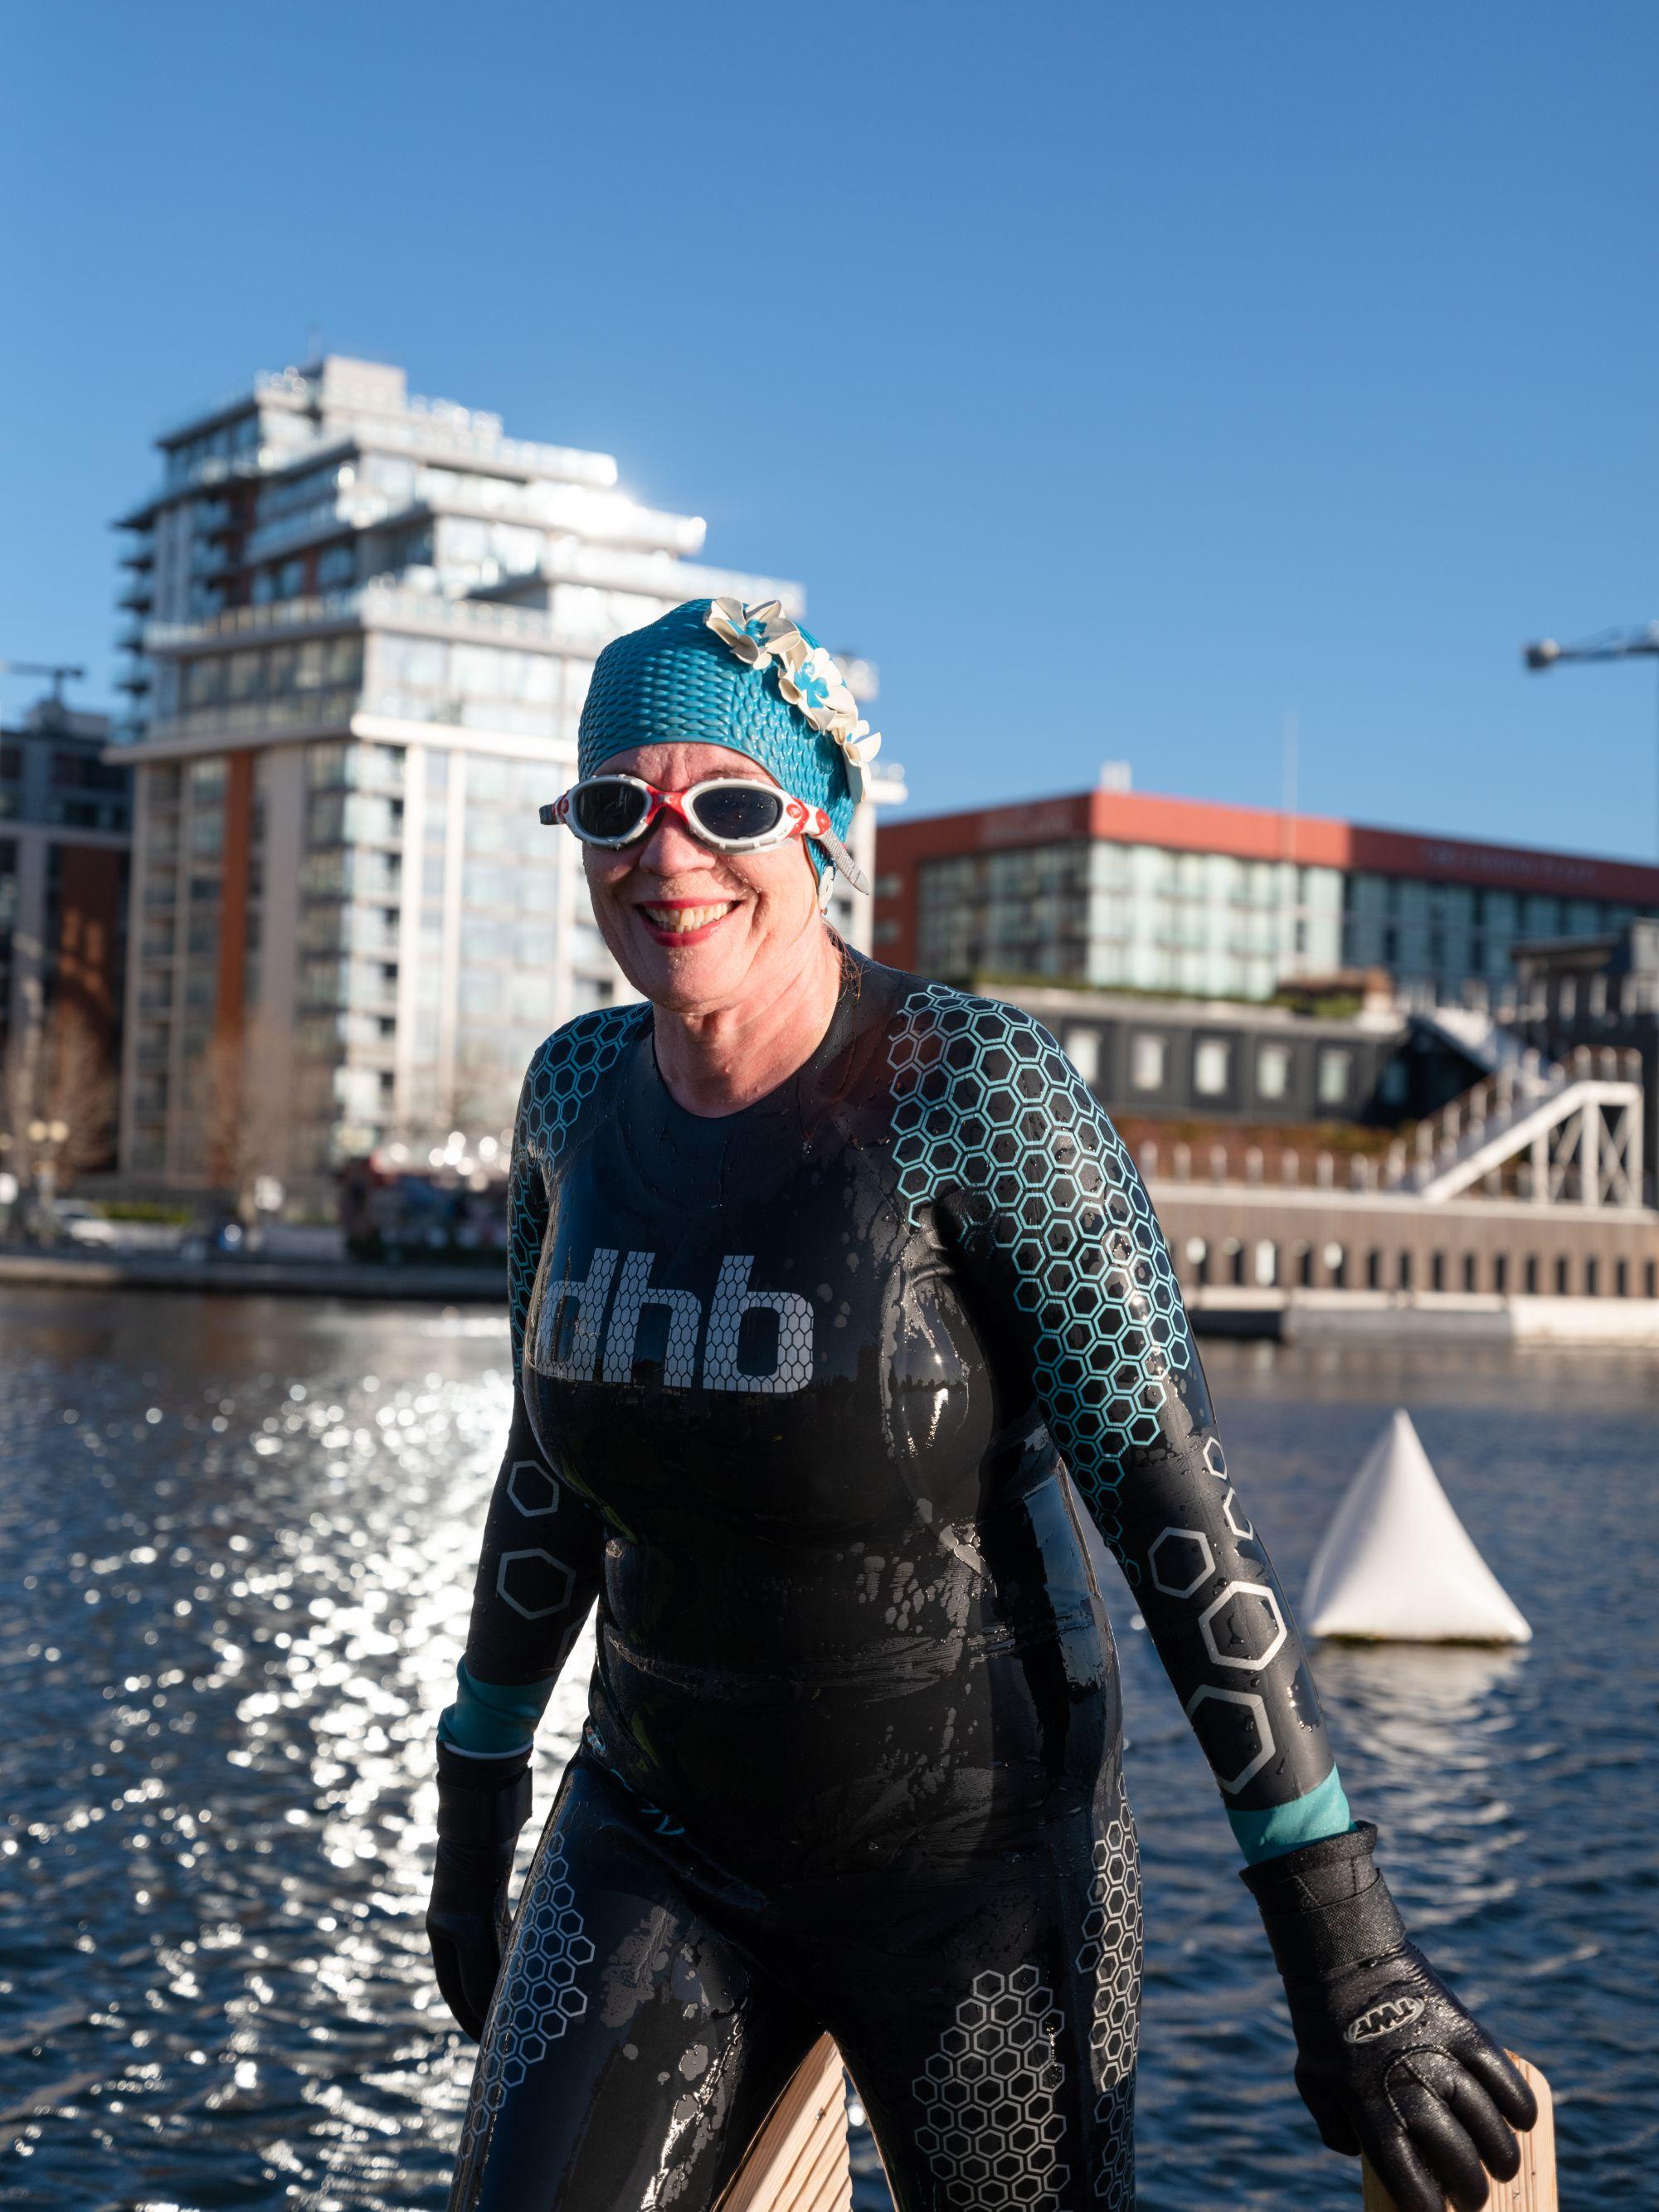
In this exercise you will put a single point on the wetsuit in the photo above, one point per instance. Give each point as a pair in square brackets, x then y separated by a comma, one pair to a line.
[796, 1394]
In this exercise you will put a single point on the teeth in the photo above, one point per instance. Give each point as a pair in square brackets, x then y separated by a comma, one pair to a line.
[683, 918]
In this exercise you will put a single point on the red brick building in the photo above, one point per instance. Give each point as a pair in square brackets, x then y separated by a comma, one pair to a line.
[1118, 889]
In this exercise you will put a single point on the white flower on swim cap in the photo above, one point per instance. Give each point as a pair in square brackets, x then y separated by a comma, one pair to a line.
[810, 682]
[860, 746]
[808, 678]
[754, 633]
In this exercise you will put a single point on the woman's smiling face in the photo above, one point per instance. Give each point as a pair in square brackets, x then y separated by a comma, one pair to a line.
[692, 929]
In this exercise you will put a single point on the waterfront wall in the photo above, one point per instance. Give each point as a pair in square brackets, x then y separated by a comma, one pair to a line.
[1262, 1237]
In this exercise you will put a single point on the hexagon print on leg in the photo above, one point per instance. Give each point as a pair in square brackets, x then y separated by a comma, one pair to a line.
[1110, 1960]
[542, 1990]
[631, 2051]
[990, 2099]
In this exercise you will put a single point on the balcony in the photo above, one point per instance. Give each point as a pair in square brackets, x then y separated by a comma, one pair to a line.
[326, 518]
[138, 597]
[321, 712]
[377, 606]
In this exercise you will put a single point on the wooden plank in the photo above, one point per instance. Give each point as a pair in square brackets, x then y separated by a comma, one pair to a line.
[1533, 2189]
[799, 2161]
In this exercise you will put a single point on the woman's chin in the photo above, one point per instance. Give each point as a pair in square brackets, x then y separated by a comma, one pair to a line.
[689, 968]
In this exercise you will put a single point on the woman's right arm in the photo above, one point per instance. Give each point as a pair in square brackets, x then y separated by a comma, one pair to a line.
[538, 1577]
[540, 1567]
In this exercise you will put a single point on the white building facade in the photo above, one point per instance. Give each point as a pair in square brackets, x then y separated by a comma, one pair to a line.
[363, 629]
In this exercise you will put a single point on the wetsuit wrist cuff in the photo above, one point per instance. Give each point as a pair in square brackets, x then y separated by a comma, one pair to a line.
[1325, 1905]
[481, 1817]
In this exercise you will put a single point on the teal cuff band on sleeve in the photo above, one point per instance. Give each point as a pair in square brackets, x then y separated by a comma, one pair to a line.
[491, 1720]
[1323, 1811]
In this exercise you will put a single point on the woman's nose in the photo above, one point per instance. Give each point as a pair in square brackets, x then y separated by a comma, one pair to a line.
[671, 849]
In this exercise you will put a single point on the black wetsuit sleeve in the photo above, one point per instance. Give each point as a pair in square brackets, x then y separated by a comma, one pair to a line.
[1054, 1229]
[541, 1563]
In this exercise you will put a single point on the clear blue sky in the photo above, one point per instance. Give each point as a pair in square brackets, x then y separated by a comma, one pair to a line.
[1119, 378]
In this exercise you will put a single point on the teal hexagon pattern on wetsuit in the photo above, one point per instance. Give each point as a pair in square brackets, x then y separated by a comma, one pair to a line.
[987, 1107]
[998, 1136]
[562, 1075]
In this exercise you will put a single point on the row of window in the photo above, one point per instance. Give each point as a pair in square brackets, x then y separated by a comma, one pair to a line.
[1368, 903]
[271, 670]
[1270, 1265]
[1213, 1062]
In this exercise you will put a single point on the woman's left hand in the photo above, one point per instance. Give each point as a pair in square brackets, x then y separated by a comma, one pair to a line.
[1387, 2061]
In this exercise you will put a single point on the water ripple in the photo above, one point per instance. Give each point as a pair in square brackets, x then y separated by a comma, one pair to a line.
[242, 1537]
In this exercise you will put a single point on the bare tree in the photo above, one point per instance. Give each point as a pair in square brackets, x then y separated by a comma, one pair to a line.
[80, 1088]
[479, 1100]
[485, 1092]
[241, 1112]
[59, 1095]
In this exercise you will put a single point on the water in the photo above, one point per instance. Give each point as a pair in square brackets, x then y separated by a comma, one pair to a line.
[240, 1538]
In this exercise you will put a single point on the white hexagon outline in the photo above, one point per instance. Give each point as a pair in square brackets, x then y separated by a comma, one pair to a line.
[534, 1467]
[538, 1612]
[1229, 1505]
[1193, 1535]
[1213, 1690]
[1215, 1460]
[1263, 1659]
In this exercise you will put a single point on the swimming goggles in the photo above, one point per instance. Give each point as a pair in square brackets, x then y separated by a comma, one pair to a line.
[729, 813]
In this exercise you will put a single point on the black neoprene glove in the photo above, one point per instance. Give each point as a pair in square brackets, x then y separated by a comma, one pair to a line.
[482, 1805]
[1387, 2061]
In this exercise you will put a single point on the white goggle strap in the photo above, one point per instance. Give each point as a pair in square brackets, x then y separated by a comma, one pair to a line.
[843, 859]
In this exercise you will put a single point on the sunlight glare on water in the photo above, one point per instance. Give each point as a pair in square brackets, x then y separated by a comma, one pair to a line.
[247, 1560]
[241, 1537]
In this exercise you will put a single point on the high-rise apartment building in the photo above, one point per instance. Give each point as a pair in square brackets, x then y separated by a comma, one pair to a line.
[363, 626]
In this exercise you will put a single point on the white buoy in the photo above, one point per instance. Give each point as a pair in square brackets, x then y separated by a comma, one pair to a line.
[1397, 1565]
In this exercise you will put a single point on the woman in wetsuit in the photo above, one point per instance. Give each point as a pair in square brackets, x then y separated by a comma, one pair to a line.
[835, 1302]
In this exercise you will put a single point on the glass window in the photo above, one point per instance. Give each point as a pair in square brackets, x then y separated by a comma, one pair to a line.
[1212, 1067]
[1148, 1055]
[1272, 1070]
[1335, 1073]
[337, 567]
[203, 681]
[1083, 1050]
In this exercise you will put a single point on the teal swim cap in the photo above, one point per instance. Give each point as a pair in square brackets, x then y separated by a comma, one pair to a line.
[717, 672]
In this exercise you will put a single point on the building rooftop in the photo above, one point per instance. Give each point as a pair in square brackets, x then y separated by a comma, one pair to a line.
[1265, 833]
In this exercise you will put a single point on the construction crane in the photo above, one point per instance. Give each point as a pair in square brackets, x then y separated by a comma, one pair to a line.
[1605, 645]
[60, 671]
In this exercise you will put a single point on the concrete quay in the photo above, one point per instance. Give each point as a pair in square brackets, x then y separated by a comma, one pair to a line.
[1427, 1317]
[231, 1278]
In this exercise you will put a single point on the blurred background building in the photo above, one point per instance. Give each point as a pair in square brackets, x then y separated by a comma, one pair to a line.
[1112, 889]
[64, 840]
[361, 629]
